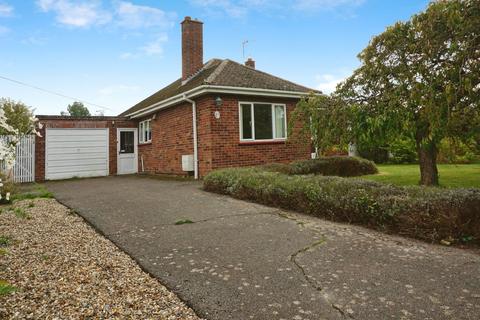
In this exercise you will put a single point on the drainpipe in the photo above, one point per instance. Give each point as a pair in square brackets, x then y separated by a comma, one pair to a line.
[195, 139]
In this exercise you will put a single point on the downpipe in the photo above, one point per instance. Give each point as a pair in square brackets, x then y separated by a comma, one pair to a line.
[195, 139]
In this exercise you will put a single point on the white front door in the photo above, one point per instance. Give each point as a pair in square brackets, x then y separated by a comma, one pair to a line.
[127, 160]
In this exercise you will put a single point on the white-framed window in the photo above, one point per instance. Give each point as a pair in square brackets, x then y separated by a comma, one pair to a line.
[145, 131]
[261, 121]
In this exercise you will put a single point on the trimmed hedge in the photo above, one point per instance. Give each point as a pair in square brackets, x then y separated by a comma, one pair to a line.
[424, 213]
[326, 166]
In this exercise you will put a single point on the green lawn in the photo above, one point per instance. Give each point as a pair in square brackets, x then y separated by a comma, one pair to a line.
[451, 175]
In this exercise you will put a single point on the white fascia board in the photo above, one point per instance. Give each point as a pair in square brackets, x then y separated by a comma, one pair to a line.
[215, 89]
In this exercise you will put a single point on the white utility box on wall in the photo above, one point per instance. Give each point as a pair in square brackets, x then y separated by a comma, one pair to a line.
[187, 162]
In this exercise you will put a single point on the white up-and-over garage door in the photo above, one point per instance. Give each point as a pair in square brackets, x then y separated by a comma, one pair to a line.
[73, 153]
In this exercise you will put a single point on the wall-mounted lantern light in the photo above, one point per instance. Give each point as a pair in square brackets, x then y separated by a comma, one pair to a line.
[218, 102]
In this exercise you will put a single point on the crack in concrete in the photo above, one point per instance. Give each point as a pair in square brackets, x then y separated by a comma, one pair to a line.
[293, 258]
[314, 284]
[234, 215]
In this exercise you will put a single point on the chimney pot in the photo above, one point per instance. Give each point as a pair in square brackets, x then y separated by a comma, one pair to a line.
[192, 47]
[250, 63]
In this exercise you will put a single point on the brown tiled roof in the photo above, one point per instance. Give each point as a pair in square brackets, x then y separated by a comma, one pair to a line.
[221, 73]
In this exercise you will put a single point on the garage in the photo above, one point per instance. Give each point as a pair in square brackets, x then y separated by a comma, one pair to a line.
[76, 152]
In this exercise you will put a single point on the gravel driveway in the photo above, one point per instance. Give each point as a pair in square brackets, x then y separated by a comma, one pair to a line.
[240, 260]
[63, 269]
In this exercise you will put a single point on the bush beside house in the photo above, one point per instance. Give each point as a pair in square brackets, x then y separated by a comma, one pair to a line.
[428, 214]
[327, 166]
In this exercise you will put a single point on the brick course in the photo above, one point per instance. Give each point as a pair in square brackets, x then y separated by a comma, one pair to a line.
[172, 137]
[219, 143]
[192, 47]
[72, 122]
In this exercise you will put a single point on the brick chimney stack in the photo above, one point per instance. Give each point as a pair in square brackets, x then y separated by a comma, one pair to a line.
[250, 63]
[192, 47]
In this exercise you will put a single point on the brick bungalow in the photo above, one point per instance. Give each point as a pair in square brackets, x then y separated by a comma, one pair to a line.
[218, 114]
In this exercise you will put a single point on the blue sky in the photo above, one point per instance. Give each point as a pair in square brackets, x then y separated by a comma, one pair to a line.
[114, 53]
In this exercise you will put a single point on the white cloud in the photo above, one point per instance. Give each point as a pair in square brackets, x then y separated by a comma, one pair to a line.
[328, 82]
[152, 48]
[123, 14]
[240, 8]
[233, 9]
[126, 55]
[308, 5]
[81, 14]
[156, 46]
[6, 10]
[133, 16]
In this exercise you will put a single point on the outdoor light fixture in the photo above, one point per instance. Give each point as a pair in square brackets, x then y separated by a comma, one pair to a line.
[218, 102]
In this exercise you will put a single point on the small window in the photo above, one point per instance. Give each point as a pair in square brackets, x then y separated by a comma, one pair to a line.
[127, 142]
[144, 131]
[246, 116]
[280, 122]
[262, 114]
[262, 121]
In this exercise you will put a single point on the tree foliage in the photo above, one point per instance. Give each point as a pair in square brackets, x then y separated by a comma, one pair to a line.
[17, 115]
[420, 79]
[15, 119]
[77, 109]
[324, 122]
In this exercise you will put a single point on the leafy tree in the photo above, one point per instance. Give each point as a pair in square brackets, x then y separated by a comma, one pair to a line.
[325, 122]
[77, 109]
[15, 119]
[17, 115]
[420, 79]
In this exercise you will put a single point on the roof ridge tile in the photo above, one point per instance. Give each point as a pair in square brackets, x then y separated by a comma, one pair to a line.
[211, 78]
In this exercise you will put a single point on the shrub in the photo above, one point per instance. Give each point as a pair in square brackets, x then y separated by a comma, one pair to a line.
[377, 154]
[326, 166]
[403, 151]
[424, 213]
[453, 151]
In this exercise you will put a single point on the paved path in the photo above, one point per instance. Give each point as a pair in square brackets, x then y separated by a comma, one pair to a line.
[240, 260]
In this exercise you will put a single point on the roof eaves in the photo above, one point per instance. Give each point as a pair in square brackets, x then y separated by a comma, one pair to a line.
[214, 89]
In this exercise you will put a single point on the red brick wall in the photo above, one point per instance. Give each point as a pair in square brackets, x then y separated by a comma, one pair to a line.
[69, 122]
[192, 47]
[219, 143]
[172, 137]
[228, 151]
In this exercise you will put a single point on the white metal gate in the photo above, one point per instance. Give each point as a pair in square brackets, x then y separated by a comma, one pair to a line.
[24, 168]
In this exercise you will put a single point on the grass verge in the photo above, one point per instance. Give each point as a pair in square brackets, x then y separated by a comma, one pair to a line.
[451, 175]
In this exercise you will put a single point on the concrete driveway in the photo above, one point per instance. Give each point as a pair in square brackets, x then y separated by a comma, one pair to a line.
[240, 260]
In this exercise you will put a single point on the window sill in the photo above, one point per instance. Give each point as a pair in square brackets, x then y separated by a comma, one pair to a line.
[261, 142]
[144, 143]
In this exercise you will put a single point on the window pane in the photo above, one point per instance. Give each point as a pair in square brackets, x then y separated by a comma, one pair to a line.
[149, 135]
[263, 121]
[280, 130]
[145, 131]
[140, 132]
[126, 141]
[246, 121]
